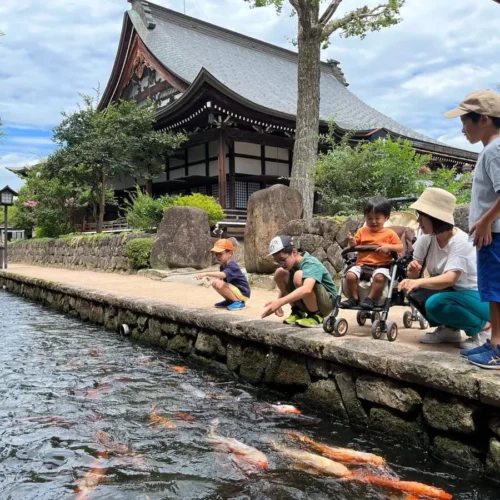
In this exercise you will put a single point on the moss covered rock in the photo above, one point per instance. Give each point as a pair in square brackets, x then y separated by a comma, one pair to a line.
[456, 453]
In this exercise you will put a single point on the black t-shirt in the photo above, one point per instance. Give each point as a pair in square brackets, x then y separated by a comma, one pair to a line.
[234, 276]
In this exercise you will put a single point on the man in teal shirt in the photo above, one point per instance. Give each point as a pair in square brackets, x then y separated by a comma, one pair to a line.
[303, 282]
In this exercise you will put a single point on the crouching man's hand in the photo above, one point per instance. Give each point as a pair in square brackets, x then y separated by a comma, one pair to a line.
[272, 307]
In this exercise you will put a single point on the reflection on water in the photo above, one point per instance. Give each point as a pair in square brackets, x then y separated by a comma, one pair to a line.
[85, 414]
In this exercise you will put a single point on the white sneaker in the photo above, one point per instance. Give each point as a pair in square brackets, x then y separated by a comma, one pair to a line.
[442, 334]
[476, 340]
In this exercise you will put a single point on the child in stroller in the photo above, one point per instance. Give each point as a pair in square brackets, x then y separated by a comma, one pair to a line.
[373, 298]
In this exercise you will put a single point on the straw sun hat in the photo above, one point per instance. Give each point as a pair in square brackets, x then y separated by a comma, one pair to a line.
[437, 203]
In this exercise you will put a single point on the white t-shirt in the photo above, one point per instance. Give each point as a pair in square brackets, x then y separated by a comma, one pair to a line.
[458, 255]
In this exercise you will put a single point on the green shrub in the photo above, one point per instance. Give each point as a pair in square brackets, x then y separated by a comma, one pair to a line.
[42, 232]
[206, 203]
[144, 212]
[138, 252]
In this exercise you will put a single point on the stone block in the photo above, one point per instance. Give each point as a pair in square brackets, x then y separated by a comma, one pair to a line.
[185, 329]
[309, 243]
[210, 345]
[96, 314]
[394, 425]
[318, 368]
[334, 254]
[489, 389]
[254, 364]
[456, 453]
[154, 326]
[330, 229]
[350, 225]
[389, 393]
[183, 239]
[268, 213]
[494, 425]
[347, 387]
[320, 254]
[304, 226]
[493, 460]
[234, 355]
[288, 371]
[142, 323]
[324, 395]
[449, 414]
[461, 217]
[330, 269]
[180, 343]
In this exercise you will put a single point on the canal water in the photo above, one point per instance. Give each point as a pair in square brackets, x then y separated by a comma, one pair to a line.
[76, 416]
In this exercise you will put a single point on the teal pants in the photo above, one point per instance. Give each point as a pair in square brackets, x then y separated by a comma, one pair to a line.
[461, 309]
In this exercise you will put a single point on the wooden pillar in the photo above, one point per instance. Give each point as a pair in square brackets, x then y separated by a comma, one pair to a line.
[232, 177]
[221, 164]
[149, 187]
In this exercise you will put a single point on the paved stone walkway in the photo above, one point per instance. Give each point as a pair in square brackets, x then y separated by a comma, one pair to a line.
[195, 295]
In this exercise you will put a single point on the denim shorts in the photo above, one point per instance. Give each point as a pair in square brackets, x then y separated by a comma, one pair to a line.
[488, 270]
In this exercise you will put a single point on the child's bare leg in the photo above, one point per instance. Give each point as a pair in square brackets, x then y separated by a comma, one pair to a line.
[352, 285]
[281, 277]
[309, 300]
[222, 288]
[495, 322]
[377, 288]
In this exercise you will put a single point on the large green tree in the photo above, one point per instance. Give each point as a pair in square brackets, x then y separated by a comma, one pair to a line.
[96, 146]
[315, 27]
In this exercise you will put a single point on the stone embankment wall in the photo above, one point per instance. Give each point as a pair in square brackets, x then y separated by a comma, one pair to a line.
[106, 253]
[432, 400]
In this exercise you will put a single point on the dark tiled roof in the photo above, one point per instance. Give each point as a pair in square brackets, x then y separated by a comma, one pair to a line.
[260, 72]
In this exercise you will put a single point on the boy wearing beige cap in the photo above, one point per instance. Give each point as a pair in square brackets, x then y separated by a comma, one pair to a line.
[480, 115]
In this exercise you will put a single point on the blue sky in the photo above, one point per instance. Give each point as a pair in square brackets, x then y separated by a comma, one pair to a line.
[55, 49]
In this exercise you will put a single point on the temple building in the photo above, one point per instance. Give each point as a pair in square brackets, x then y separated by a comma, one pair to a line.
[235, 97]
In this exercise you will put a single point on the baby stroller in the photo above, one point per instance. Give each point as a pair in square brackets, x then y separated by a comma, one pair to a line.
[405, 225]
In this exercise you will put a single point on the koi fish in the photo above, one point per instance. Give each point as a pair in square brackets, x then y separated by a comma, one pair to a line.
[244, 456]
[95, 475]
[94, 353]
[286, 409]
[58, 421]
[411, 487]
[178, 369]
[98, 391]
[344, 455]
[146, 361]
[185, 416]
[157, 420]
[314, 463]
[112, 446]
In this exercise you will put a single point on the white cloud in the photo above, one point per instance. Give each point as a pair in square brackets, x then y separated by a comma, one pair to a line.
[460, 141]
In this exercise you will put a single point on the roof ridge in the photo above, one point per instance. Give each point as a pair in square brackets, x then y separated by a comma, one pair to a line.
[219, 32]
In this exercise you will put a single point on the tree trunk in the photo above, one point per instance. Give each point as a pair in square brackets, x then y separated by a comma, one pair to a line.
[307, 128]
[102, 203]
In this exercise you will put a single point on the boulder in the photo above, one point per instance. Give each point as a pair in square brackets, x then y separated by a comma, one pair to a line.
[269, 210]
[456, 453]
[183, 239]
[334, 254]
[350, 225]
[325, 395]
[387, 392]
[493, 460]
[449, 414]
[309, 243]
[461, 216]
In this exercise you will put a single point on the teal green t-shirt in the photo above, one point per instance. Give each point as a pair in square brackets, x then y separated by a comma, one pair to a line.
[311, 267]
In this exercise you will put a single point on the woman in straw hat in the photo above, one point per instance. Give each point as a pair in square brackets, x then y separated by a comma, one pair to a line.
[448, 297]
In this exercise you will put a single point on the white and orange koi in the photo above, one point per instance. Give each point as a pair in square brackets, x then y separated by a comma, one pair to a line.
[94, 353]
[185, 416]
[311, 462]
[286, 409]
[178, 369]
[161, 421]
[95, 476]
[246, 457]
[344, 455]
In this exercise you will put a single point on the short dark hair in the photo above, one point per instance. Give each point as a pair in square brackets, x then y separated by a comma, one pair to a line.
[438, 226]
[475, 117]
[378, 205]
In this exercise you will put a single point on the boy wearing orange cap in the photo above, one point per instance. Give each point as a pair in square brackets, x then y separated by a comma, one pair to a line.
[230, 282]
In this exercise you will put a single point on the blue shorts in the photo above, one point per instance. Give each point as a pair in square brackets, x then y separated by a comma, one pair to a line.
[488, 270]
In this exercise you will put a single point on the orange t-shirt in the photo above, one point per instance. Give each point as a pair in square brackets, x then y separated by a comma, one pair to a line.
[367, 237]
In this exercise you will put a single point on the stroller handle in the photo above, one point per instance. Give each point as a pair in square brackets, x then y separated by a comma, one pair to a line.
[365, 248]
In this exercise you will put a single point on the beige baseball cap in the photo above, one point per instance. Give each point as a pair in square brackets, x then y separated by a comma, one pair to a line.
[482, 102]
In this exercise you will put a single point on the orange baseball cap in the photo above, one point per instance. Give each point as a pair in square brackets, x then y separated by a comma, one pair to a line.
[222, 246]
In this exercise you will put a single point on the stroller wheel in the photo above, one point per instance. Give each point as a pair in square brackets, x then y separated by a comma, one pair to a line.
[408, 319]
[375, 316]
[392, 331]
[361, 318]
[329, 324]
[376, 330]
[340, 327]
[423, 323]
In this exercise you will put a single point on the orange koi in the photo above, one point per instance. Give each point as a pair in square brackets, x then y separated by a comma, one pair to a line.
[344, 455]
[157, 420]
[185, 416]
[286, 409]
[244, 456]
[314, 463]
[410, 487]
[95, 475]
[178, 369]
